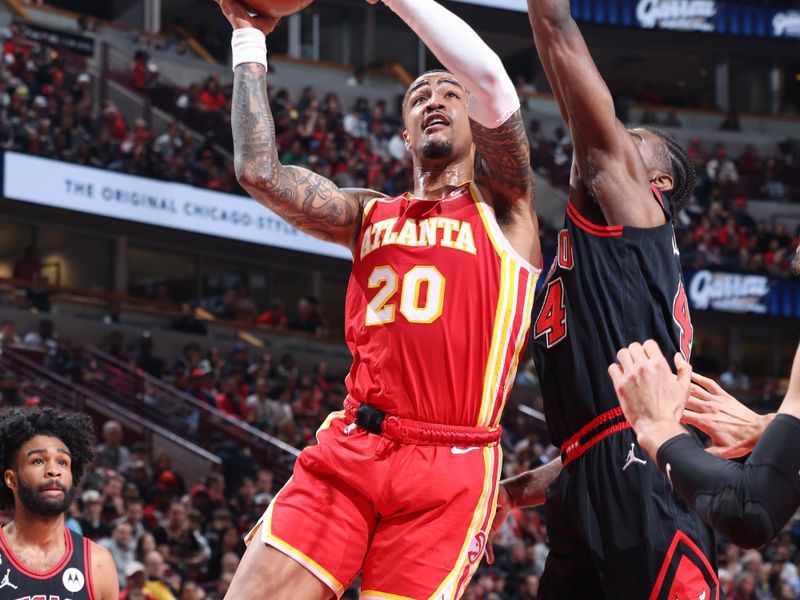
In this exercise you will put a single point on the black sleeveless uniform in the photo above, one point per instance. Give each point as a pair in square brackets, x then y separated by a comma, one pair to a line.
[613, 532]
[69, 579]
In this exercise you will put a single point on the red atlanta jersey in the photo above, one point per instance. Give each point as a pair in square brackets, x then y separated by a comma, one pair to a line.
[438, 309]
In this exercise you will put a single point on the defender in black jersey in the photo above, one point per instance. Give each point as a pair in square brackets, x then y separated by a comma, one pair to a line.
[616, 528]
[42, 454]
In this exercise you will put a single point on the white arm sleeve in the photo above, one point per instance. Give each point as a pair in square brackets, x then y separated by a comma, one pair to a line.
[492, 97]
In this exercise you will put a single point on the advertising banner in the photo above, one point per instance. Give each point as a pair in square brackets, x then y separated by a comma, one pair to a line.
[76, 43]
[742, 293]
[160, 203]
[705, 16]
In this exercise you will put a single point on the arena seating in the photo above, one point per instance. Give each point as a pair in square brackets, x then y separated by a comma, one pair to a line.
[187, 400]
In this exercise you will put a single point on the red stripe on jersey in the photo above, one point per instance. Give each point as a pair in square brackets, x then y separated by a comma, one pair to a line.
[486, 523]
[659, 197]
[680, 536]
[431, 281]
[87, 566]
[589, 227]
[514, 347]
[37, 574]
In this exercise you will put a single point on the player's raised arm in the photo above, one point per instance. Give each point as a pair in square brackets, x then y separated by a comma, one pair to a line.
[602, 144]
[308, 201]
[503, 151]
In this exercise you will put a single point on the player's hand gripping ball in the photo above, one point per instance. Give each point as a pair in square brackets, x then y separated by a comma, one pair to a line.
[276, 8]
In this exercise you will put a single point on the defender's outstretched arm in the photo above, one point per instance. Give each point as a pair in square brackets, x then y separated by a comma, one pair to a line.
[308, 201]
[608, 161]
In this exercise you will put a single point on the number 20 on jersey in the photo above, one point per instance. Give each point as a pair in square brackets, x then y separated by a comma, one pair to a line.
[421, 294]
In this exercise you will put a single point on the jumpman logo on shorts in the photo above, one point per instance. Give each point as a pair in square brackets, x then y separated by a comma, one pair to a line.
[632, 459]
[6, 582]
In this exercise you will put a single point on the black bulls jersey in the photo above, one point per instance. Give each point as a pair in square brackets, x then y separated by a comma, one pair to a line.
[609, 286]
[69, 579]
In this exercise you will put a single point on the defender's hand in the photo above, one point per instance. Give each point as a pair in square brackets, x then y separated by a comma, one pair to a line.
[646, 388]
[734, 429]
[240, 18]
[504, 507]
[651, 397]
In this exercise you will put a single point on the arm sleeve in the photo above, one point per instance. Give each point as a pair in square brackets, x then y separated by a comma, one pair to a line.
[747, 503]
[492, 96]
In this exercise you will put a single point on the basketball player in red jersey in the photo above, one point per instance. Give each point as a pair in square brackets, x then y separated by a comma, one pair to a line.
[43, 453]
[401, 486]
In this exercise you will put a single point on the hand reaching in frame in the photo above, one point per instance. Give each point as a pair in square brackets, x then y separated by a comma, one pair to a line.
[733, 428]
[651, 396]
[504, 507]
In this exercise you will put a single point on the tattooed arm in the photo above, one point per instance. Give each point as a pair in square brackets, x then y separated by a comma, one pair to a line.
[503, 157]
[311, 203]
[502, 162]
[308, 201]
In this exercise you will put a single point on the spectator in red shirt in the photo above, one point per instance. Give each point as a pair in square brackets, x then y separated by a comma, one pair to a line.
[211, 98]
[274, 316]
[228, 401]
[114, 122]
[141, 133]
[139, 75]
[29, 267]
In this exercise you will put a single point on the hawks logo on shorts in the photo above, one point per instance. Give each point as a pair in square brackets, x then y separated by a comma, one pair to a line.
[476, 547]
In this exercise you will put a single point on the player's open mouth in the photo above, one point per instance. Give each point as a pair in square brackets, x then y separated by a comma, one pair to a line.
[435, 122]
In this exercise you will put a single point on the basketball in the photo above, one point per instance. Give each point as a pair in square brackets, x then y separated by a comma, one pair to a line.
[276, 8]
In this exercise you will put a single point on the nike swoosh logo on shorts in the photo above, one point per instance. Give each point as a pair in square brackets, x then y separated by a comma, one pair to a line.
[455, 450]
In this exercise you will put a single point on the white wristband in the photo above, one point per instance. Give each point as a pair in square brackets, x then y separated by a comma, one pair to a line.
[249, 45]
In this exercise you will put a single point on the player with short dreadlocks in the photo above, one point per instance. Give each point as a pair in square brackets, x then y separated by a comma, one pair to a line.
[43, 453]
[675, 161]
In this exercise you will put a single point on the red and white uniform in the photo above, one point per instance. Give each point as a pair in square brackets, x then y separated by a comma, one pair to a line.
[438, 311]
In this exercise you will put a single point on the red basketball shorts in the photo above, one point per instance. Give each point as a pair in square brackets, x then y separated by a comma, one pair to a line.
[413, 519]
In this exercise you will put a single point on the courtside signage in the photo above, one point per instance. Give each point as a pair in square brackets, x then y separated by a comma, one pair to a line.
[708, 16]
[728, 292]
[152, 202]
[786, 24]
[683, 15]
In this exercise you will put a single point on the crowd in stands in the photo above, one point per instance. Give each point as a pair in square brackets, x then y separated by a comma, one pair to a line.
[48, 110]
[172, 538]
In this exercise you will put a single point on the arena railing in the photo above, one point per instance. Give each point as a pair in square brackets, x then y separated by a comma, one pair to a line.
[190, 460]
[45, 12]
[183, 414]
